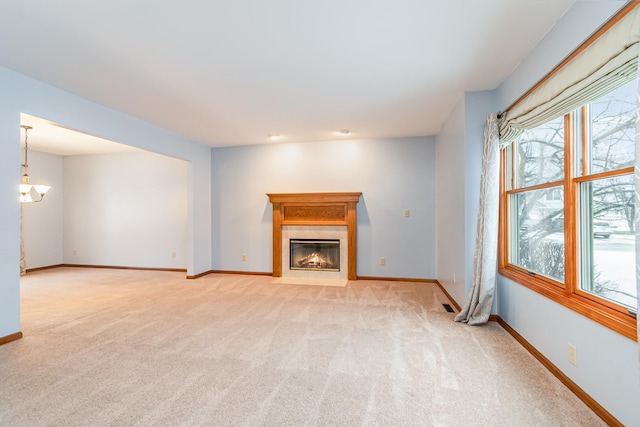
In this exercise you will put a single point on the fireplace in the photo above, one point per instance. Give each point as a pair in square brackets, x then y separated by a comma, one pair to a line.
[314, 217]
[314, 254]
[324, 247]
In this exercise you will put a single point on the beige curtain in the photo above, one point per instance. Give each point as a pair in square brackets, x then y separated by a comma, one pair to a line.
[606, 64]
[477, 308]
[637, 201]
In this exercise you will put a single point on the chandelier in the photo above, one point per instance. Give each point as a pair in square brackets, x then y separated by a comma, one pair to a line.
[26, 188]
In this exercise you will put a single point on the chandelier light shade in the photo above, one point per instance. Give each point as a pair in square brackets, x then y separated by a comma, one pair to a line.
[26, 188]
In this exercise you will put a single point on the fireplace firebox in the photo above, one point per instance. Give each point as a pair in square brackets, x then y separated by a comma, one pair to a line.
[314, 254]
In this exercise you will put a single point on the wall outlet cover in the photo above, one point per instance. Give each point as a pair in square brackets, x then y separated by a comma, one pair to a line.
[573, 356]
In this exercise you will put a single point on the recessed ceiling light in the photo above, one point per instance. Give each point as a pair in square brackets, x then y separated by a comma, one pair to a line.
[273, 136]
[344, 132]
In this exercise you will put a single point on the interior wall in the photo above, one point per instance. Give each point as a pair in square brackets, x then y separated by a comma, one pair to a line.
[393, 174]
[10, 219]
[451, 243]
[125, 209]
[21, 94]
[607, 366]
[42, 221]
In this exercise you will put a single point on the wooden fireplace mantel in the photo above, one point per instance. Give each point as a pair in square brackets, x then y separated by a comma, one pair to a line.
[314, 209]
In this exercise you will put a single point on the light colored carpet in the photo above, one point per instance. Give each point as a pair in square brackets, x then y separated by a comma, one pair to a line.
[122, 347]
[309, 281]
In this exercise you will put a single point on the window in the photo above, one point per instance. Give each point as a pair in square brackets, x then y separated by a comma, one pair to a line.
[567, 209]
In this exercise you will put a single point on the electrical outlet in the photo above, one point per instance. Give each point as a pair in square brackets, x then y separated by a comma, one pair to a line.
[453, 277]
[244, 257]
[406, 213]
[173, 254]
[381, 260]
[75, 252]
[573, 357]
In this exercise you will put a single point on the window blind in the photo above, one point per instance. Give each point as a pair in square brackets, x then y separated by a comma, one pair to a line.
[604, 65]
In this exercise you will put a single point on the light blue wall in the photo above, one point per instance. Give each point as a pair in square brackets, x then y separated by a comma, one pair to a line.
[607, 366]
[451, 242]
[393, 175]
[9, 216]
[23, 94]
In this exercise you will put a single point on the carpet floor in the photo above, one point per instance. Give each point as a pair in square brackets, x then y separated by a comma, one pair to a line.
[140, 348]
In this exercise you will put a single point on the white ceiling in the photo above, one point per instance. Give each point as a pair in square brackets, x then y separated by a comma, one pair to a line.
[231, 72]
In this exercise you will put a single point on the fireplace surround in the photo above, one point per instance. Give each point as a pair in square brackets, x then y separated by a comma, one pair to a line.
[330, 210]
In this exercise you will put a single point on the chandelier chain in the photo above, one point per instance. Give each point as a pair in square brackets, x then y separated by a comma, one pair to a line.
[26, 147]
